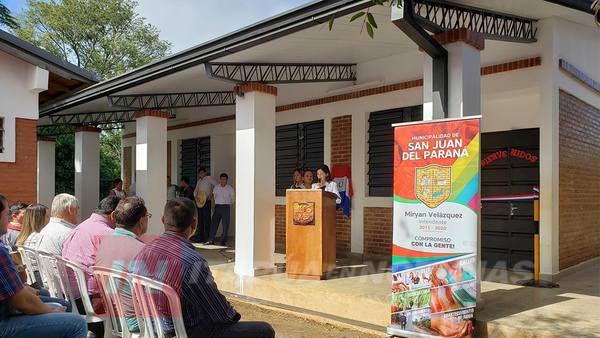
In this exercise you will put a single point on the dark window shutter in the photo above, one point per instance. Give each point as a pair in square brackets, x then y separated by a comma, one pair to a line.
[314, 143]
[297, 146]
[195, 153]
[381, 146]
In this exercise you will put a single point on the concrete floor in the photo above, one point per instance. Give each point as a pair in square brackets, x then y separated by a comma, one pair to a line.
[358, 294]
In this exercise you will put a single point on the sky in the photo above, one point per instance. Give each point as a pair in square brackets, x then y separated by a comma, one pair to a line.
[186, 23]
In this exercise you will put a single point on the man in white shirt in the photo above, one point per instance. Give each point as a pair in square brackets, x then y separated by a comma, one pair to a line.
[203, 195]
[224, 197]
[64, 215]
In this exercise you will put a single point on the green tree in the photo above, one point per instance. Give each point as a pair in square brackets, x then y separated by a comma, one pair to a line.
[6, 18]
[106, 37]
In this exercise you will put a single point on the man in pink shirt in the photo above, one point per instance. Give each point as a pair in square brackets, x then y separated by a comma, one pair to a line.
[83, 242]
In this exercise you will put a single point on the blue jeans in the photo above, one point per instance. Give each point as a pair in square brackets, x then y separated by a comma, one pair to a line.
[62, 302]
[50, 325]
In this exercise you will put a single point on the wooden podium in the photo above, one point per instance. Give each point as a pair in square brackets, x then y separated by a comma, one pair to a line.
[310, 233]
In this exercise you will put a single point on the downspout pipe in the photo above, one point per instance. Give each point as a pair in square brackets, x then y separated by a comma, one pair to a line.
[404, 19]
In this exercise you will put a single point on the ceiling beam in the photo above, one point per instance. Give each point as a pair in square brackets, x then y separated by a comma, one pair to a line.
[173, 100]
[440, 16]
[274, 73]
[97, 118]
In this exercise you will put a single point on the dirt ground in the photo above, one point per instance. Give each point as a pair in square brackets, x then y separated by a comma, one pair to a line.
[288, 324]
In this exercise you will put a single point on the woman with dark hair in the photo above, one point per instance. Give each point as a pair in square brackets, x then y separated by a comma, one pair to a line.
[307, 179]
[117, 189]
[326, 183]
[297, 179]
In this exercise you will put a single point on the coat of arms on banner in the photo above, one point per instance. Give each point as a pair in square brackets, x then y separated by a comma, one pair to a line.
[433, 184]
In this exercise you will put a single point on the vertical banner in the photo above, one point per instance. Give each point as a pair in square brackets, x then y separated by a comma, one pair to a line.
[436, 213]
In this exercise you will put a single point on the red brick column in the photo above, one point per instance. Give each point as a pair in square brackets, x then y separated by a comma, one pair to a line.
[579, 181]
[377, 231]
[341, 153]
[18, 181]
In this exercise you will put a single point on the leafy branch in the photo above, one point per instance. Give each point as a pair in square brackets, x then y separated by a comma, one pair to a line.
[368, 20]
[6, 18]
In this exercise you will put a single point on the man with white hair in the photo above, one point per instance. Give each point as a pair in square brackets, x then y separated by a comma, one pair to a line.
[64, 216]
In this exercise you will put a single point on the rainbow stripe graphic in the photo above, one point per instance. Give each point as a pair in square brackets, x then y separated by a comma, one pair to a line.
[464, 181]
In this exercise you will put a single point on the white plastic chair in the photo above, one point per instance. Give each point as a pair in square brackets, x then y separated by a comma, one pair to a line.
[30, 259]
[49, 273]
[145, 294]
[111, 284]
[67, 268]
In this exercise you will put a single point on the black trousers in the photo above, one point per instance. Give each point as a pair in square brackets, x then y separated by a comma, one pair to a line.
[237, 330]
[204, 223]
[96, 328]
[222, 212]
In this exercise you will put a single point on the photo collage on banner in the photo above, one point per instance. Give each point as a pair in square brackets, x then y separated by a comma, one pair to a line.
[436, 210]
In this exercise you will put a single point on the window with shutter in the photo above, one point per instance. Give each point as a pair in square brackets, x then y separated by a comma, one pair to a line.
[195, 153]
[297, 146]
[381, 146]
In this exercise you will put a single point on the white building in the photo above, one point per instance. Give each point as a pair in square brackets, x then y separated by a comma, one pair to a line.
[536, 87]
[29, 77]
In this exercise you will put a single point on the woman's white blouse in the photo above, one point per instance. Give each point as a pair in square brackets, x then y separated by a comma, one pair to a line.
[331, 187]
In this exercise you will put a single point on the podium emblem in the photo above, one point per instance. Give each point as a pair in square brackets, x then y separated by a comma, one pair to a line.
[304, 213]
[433, 184]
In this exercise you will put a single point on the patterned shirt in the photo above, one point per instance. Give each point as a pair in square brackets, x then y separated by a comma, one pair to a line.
[10, 283]
[173, 260]
[82, 244]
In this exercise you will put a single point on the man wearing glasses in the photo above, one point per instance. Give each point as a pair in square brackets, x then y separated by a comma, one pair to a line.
[118, 249]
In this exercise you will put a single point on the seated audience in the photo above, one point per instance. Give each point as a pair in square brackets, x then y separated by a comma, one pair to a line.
[80, 247]
[17, 210]
[35, 219]
[64, 215]
[297, 179]
[172, 259]
[22, 312]
[118, 249]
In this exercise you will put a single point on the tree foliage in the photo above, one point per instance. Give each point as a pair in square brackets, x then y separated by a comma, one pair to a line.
[105, 37]
[368, 20]
[6, 17]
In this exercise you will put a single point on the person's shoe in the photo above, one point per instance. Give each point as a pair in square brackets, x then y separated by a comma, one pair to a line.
[209, 243]
[223, 244]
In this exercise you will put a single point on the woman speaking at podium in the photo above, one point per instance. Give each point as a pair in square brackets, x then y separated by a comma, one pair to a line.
[326, 183]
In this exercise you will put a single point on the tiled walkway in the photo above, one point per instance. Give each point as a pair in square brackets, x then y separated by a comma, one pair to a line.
[358, 293]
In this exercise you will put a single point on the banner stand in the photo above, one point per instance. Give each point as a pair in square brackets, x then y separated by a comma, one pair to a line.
[436, 207]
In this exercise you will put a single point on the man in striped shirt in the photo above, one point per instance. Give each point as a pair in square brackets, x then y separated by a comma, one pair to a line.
[173, 260]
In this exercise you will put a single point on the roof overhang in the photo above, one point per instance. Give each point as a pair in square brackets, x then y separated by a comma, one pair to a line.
[312, 14]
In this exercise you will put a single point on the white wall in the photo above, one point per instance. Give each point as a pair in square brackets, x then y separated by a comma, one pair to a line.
[580, 46]
[222, 144]
[20, 83]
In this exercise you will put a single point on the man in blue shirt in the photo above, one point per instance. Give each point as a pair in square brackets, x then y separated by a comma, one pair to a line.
[22, 313]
